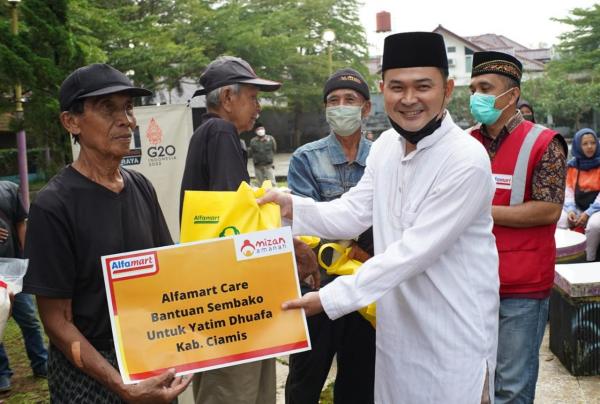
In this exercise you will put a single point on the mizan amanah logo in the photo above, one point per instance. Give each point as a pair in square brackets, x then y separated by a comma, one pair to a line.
[156, 152]
[262, 244]
[247, 248]
[260, 247]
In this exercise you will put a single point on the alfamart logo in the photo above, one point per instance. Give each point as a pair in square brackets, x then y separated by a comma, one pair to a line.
[202, 219]
[127, 266]
[263, 243]
[503, 181]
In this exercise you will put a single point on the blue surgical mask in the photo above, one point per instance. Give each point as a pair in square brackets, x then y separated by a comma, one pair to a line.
[483, 109]
[344, 120]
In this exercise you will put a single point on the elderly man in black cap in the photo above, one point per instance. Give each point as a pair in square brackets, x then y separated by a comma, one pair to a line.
[324, 170]
[528, 164]
[216, 161]
[427, 192]
[91, 208]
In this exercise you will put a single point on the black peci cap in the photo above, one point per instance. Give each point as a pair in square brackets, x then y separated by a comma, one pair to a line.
[491, 62]
[414, 49]
[346, 78]
[227, 70]
[93, 80]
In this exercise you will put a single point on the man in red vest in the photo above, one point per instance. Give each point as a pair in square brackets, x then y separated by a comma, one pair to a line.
[528, 165]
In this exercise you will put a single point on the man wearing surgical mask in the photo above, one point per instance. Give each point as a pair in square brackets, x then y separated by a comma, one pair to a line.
[324, 170]
[263, 148]
[528, 166]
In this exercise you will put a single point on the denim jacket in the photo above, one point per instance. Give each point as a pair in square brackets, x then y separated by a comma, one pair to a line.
[321, 171]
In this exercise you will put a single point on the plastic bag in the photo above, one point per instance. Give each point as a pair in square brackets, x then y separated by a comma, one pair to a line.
[4, 307]
[344, 265]
[212, 214]
[312, 241]
[12, 271]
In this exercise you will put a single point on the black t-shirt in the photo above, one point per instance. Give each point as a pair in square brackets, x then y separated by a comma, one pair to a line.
[72, 223]
[11, 213]
[215, 159]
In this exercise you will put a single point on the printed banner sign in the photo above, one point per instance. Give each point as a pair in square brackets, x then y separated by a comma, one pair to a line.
[204, 305]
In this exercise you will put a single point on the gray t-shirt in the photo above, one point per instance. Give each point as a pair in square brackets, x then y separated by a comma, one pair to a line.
[12, 212]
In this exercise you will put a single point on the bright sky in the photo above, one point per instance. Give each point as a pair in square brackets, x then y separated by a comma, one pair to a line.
[525, 21]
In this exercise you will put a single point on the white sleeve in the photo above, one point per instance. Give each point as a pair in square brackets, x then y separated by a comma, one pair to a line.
[461, 198]
[340, 219]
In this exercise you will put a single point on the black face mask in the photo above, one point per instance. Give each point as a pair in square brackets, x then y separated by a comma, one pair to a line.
[528, 117]
[415, 137]
[428, 129]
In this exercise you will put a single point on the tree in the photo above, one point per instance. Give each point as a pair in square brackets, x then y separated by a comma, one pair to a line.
[160, 42]
[569, 90]
[567, 100]
[141, 38]
[459, 107]
[283, 41]
[39, 58]
[578, 49]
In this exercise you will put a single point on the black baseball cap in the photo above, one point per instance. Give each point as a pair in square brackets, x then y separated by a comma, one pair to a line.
[96, 79]
[226, 70]
[346, 78]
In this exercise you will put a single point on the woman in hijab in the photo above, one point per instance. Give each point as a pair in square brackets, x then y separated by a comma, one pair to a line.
[526, 110]
[582, 200]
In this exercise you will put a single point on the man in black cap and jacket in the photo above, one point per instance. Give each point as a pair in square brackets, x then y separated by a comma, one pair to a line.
[216, 161]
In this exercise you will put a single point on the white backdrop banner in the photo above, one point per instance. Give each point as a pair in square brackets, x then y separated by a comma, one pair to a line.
[158, 150]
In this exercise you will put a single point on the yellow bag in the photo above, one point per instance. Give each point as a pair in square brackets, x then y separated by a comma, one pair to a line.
[212, 214]
[344, 265]
[312, 241]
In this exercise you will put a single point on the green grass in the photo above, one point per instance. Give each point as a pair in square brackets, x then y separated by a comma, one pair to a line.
[30, 390]
[25, 387]
[327, 395]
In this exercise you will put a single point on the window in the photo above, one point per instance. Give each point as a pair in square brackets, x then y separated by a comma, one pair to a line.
[451, 62]
[451, 49]
[469, 63]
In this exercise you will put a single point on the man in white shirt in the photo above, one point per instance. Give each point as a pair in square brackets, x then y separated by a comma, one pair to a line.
[427, 190]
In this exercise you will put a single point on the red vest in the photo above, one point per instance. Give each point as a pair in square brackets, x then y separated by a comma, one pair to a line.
[526, 254]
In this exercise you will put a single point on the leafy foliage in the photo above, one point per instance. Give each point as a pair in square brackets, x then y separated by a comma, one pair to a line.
[579, 48]
[160, 42]
[39, 57]
[570, 88]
